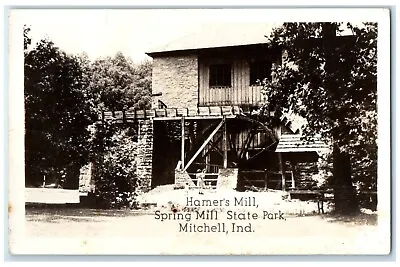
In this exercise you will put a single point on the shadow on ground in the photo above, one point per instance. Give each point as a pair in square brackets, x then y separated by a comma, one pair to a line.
[357, 219]
[57, 213]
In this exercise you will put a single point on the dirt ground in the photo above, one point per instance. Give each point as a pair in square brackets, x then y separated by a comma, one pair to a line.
[86, 231]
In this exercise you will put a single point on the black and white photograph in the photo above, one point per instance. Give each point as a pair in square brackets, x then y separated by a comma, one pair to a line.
[200, 131]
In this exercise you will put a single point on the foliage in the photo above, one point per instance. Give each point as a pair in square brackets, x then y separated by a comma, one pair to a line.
[115, 168]
[27, 39]
[331, 81]
[56, 115]
[116, 83]
[63, 97]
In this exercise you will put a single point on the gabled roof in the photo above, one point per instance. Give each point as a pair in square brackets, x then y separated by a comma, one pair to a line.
[219, 35]
[296, 142]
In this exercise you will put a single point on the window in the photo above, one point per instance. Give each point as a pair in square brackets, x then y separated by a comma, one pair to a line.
[220, 75]
[259, 71]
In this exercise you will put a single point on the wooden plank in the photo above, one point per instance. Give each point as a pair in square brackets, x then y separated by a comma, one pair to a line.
[282, 171]
[247, 142]
[108, 115]
[182, 112]
[193, 112]
[204, 111]
[265, 179]
[171, 112]
[252, 171]
[117, 115]
[130, 115]
[226, 110]
[200, 84]
[213, 146]
[193, 118]
[160, 112]
[256, 180]
[215, 111]
[293, 181]
[150, 113]
[225, 145]
[123, 117]
[204, 144]
[243, 86]
[183, 141]
[237, 84]
[140, 114]
[207, 161]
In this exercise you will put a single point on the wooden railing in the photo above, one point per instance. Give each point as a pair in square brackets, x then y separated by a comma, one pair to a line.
[264, 178]
[172, 113]
[223, 95]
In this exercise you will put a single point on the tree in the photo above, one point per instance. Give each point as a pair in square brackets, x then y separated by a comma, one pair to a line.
[331, 81]
[27, 39]
[57, 115]
[141, 89]
[118, 84]
[115, 84]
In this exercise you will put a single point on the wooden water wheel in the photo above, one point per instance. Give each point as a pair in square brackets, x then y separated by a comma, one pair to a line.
[241, 142]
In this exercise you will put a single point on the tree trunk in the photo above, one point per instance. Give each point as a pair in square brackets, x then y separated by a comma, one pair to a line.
[344, 193]
[72, 177]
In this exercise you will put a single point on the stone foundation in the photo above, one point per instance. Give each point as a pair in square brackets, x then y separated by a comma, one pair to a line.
[183, 178]
[227, 178]
[144, 159]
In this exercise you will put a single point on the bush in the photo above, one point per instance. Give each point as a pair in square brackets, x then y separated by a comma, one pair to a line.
[115, 172]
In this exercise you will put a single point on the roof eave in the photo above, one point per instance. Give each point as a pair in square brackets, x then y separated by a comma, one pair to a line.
[192, 50]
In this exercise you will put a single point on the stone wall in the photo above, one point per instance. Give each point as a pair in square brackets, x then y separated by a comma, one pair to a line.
[176, 77]
[145, 154]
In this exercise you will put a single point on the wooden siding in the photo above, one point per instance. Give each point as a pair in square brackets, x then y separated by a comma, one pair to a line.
[239, 93]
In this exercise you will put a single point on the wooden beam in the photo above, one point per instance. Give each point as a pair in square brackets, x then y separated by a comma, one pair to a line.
[214, 147]
[183, 141]
[292, 169]
[246, 143]
[282, 171]
[266, 179]
[194, 118]
[293, 182]
[207, 160]
[204, 144]
[232, 145]
[257, 154]
[225, 145]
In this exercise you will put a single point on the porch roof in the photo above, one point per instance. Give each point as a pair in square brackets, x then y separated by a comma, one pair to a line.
[296, 143]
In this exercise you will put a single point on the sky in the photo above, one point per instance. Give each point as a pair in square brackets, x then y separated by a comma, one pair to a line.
[104, 32]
